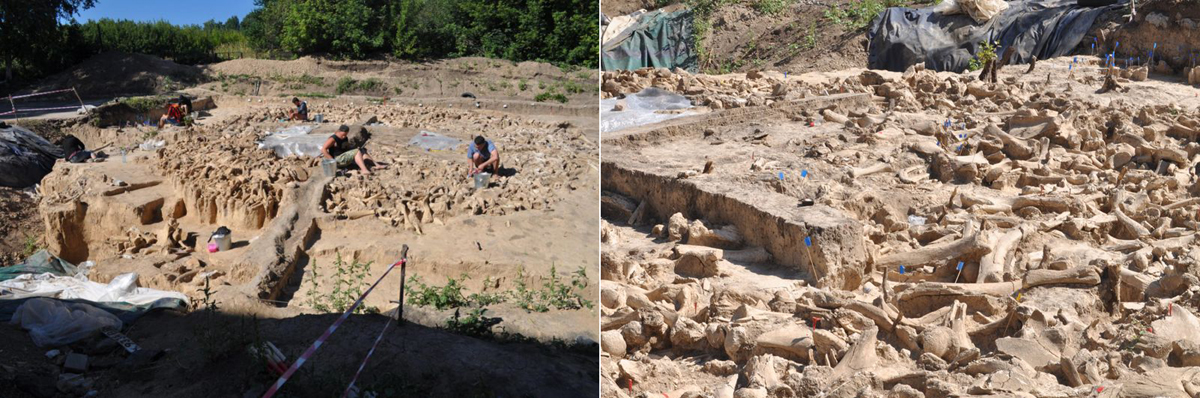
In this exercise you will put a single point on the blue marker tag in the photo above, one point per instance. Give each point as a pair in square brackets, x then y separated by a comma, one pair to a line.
[959, 148]
[1070, 67]
[1155, 45]
[939, 143]
[781, 176]
[1074, 60]
[808, 241]
[901, 270]
[1118, 46]
[960, 265]
[803, 173]
[962, 136]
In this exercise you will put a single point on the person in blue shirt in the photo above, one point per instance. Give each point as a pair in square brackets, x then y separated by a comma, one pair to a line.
[483, 156]
[301, 112]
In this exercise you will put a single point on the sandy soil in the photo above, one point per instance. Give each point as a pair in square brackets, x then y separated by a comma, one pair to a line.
[152, 211]
[758, 251]
[482, 77]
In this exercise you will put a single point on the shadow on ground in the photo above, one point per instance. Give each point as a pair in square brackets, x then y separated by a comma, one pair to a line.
[205, 355]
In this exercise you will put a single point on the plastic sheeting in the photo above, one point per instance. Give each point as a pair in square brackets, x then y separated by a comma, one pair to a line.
[901, 37]
[294, 141]
[658, 39]
[123, 288]
[55, 323]
[25, 157]
[431, 141]
[44, 276]
[643, 108]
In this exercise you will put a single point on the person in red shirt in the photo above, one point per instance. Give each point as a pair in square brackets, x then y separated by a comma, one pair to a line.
[174, 116]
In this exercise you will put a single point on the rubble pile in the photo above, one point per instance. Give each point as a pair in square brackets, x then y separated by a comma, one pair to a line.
[1024, 238]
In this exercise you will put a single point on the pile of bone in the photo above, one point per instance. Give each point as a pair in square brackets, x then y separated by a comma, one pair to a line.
[228, 179]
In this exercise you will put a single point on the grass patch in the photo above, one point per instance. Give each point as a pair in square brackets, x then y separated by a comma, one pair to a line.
[298, 82]
[856, 15]
[771, 7]
[145, 104]
[312, 95]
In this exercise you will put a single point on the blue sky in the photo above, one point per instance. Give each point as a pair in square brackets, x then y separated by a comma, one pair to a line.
[185, 12]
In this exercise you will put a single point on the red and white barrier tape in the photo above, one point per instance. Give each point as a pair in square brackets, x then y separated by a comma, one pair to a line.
[364, 361]
[321, 340]
[42, 93]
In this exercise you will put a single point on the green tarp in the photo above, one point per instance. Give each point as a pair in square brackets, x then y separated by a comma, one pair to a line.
[658, 40]
[39, 263]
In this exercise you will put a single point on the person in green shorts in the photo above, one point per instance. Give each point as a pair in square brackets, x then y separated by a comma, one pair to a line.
[338, 148]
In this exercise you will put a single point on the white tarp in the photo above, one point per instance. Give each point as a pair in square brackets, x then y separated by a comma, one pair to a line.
[56, 323]
[651, 105]
[294, 141]
[122, 289]
[431, 141]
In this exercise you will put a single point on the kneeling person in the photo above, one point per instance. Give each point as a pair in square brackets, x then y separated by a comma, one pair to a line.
[339, 148]
[483, 156]
[174, 115]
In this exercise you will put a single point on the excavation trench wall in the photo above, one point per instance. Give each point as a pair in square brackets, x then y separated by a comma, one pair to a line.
[768, 220]
[764, 218]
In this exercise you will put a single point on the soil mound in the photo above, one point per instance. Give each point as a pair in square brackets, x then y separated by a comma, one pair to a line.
[118, 73]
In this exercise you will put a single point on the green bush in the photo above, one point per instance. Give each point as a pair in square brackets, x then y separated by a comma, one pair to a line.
[553, 294]
[349, 282]
[987, 52]
[550, 95]
[444, 297]
[345, 84]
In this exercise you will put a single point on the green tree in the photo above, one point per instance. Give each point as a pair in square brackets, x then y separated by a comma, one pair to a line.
[347, 28]
[264, 26]
[29, 28]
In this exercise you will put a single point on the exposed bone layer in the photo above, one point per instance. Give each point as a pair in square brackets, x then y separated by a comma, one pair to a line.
[1042, 245]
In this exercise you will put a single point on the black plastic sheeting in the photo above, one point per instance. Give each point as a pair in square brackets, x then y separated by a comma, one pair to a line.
[901, 37]
[25, 157]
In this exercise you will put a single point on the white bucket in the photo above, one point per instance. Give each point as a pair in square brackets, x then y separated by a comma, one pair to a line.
[329, 167]
[223, 242]
[482, 179]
